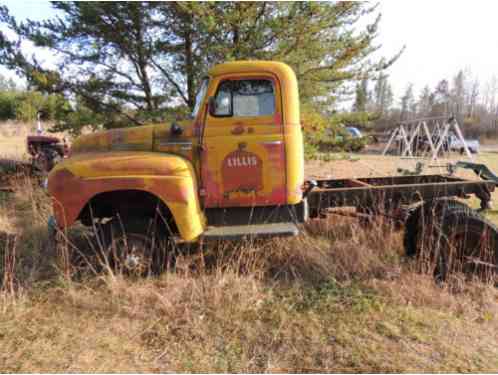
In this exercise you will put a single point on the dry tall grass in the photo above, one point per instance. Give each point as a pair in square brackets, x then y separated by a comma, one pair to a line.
[337, 298]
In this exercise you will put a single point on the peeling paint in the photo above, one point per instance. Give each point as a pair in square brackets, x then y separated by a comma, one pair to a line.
[74, 182]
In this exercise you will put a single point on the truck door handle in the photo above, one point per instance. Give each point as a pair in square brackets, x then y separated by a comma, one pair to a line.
[271, 143]
[184, 146]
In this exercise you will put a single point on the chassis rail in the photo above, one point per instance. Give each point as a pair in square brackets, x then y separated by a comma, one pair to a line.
[393, 191]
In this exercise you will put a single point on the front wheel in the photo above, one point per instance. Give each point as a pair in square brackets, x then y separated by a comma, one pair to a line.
[135, 247]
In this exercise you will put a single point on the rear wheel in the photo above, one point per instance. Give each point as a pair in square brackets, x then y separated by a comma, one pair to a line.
[423, 219]
[469, 244]
[447, 236]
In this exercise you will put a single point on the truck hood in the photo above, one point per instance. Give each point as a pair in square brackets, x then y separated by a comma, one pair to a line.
[139, 138]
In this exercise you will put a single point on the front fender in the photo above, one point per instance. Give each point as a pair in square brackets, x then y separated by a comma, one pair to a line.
[74, 182]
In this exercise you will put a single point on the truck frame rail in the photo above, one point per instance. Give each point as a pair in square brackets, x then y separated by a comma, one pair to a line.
[396, 190]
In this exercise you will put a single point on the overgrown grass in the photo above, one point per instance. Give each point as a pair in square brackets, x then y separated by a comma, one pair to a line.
[336, 298]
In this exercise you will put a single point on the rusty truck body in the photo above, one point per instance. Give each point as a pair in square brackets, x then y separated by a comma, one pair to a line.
[234, 169]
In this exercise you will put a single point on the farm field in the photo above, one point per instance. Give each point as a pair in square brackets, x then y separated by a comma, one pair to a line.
[336, 299]
[13, 139]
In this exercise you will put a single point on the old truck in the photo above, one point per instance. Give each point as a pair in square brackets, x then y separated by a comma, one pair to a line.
[235, 169]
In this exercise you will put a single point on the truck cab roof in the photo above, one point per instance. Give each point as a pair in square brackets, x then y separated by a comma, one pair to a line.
[281, 70]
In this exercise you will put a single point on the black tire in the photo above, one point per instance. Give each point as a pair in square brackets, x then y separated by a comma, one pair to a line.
[137, 246]
[447, 236]
[468, 244]
[421, 219]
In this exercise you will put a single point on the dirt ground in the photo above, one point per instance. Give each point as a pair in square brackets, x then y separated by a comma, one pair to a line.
[370, 163]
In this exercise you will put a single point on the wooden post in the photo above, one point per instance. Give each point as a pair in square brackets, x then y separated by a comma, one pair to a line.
[441, 140]
[405, 139]
[429, 138]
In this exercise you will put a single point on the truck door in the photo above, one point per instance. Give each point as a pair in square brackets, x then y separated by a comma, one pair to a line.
[243, 160]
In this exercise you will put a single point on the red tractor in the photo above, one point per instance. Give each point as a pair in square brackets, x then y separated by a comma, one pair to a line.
[46, 151]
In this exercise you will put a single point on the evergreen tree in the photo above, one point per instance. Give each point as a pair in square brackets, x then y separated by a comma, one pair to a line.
[362, 96]
[457, 96]
[441, 105]
[407, 102]
[425, 102]
[383, 94]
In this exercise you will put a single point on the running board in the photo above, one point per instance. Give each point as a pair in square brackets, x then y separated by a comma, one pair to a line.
[237, 232]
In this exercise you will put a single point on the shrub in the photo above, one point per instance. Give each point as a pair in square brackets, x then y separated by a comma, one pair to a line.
[329, 134]
[8, 103]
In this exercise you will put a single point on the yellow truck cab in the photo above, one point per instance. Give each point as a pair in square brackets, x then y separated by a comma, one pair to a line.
[242, 149]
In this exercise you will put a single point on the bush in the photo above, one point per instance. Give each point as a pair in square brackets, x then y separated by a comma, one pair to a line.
[8, 104]
[329, 134]
[29, 105]
[310, 151]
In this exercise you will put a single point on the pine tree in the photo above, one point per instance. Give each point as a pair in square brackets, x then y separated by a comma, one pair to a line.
[457, 96]
[425, 102]
[383, 94]
[407, 102]
[362, 96]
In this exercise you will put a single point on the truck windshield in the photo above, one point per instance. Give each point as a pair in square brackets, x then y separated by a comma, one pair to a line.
[200, 96]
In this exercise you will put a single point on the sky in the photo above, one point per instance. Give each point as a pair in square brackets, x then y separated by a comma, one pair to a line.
[441, 37]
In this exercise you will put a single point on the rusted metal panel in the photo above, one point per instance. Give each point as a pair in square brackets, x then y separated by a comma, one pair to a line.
[399, 189]
[169, 177]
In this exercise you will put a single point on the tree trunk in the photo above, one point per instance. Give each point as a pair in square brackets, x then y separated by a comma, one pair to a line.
[189, 68]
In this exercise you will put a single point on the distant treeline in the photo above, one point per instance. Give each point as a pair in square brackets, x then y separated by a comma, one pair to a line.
[473, 103]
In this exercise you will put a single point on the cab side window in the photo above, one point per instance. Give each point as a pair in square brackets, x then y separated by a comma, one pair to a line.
[245, 98]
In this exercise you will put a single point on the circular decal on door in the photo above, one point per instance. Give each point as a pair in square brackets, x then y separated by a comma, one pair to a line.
[242, 171]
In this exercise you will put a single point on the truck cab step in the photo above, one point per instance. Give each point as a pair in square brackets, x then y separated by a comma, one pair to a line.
[237, 232]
